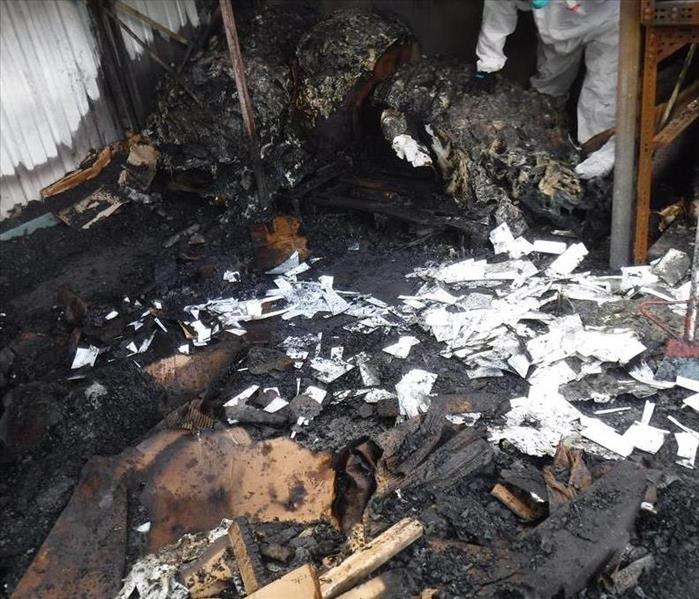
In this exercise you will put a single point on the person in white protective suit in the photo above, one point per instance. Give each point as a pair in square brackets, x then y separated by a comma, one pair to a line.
[568, 30]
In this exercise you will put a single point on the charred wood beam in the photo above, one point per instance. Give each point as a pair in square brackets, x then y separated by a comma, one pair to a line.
[560, 555]
[245, 104]
[403, 212]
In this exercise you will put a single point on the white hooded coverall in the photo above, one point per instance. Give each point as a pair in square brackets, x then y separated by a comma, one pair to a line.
[568, 29]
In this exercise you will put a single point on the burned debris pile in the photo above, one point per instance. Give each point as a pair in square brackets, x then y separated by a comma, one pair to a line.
[312, 82]
[329, 405]
[498, 154]
[202, 142]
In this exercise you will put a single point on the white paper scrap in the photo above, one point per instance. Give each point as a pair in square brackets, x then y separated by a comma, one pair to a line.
[202, 331]
[315, 393]
[301, 268]
[692, 401]
[112, 315]
[291, 262]
[231, 276]
[645, 437]
[160, 324]
[376, 395]
[607, 437]
[242, 397]
[143, 528]
[687, 445]
[184, 348]
[568, 261]
[276, 404]
[687, 383]
[85, 356]
[648, 409]
[612, 410]
[401, 349]
[549, 247]
[413, 392]
[643, 374]
[327, 370]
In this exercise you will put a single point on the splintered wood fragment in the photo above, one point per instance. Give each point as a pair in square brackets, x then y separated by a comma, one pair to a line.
[246, 555]
[513, 503]
[301, 583]
[209, 575]
[359, 565]
[76, 178]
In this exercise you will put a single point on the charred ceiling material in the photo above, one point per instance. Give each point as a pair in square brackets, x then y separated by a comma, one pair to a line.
[497, 153]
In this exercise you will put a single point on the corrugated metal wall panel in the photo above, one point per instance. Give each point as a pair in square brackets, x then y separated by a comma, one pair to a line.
[53, 107]
[52, 103]
[174, 14]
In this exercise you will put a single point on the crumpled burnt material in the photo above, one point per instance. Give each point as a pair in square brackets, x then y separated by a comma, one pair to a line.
[338, 53]
[206, 148]
[496, 153]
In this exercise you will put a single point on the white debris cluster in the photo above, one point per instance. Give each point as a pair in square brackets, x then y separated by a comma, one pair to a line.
[491, 317]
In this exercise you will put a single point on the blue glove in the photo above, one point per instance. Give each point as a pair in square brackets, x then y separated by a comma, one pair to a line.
[539, 3]
[481, 82]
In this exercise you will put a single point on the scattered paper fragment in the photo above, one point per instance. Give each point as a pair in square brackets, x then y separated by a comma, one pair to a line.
[607, 437]
[327, 370]
[413, 392]
[687, 445]
[692, 401]
[401, 349]
[672, 267]
[301, 268]
[231, 276]
[377, 395]
[112, 315]
[276, 404]
[143, 528]
[536, 424]
[643, 374]
[203, 333]
[291, 262]
[315, 393]
[549, 247]
[645, 437]
[568, 261]
[612, 410]
[687, 383]
[184, 348]
[242, 397]
[85, 356]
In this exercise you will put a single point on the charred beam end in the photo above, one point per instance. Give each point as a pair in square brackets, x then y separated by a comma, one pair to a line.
[574, 543]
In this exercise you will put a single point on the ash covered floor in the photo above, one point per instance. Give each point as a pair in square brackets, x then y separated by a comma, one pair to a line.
[435, 366]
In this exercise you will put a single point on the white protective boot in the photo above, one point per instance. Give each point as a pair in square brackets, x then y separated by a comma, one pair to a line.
[599, 163]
